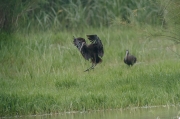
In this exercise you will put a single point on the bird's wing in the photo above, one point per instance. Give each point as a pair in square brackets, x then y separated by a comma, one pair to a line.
[94, 39]
[132, 59]
[80, 43]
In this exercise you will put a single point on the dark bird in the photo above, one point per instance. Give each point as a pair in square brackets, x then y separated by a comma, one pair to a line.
[93, 51]
[129, 59]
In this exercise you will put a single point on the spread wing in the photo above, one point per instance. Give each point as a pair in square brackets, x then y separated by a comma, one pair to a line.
[80, 43]
[94, 39]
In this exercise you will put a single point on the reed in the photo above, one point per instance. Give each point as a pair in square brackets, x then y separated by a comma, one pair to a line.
[72, 14]
[43, 72]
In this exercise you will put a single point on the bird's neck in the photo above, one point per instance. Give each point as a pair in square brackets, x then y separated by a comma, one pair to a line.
[126, 55]
[82, 46]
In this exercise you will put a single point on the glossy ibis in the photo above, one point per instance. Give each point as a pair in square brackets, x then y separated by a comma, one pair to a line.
[129, 59]
[93, 52]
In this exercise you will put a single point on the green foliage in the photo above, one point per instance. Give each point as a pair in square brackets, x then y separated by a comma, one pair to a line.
[15, 13]
[171, 21]
[66, 83]
[43, 72]
[23, 104]
[73, 14]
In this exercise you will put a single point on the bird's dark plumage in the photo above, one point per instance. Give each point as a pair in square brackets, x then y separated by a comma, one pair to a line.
[129, 59]
[93, 51]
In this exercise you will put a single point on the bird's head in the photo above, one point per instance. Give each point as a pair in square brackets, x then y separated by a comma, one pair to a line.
[79, 42]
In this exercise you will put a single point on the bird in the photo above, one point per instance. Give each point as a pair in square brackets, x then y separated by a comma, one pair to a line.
[129, 59]
[93, 51]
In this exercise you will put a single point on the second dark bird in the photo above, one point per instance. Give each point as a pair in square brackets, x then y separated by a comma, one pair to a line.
[129, 59]
[93, 51]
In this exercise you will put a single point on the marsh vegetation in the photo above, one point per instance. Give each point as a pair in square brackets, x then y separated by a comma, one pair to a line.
[41, 71]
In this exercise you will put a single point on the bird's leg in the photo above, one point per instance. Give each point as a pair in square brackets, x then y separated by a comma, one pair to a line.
[93, 64]
[92, 67]
[88, 68]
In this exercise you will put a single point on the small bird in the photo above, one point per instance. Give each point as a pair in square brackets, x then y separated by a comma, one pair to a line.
[93, 51]
[129, 59]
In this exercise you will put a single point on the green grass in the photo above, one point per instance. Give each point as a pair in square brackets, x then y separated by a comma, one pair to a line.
[62, 14]
[43, 72]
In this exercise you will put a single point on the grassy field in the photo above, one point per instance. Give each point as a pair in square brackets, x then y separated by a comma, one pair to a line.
[43, 72]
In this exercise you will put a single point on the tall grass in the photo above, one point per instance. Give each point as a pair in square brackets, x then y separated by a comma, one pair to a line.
[61, 14]
[43, 72]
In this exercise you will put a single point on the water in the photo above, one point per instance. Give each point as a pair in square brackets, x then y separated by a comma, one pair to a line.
[133, 113]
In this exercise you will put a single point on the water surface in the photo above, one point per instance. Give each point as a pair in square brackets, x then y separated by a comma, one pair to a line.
[131, 113]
